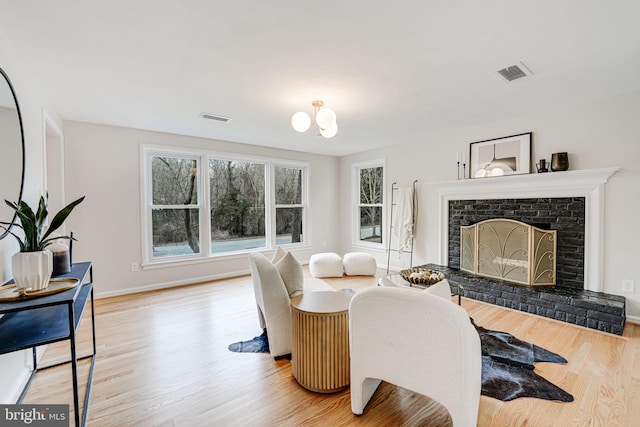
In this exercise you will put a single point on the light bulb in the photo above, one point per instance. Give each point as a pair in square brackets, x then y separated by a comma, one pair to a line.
[301, 121]
[325, 118]
[481, 173]
[497, 172]
[329, 132]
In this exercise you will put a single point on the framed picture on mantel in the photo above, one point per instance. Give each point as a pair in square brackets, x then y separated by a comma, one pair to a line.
[510, 155]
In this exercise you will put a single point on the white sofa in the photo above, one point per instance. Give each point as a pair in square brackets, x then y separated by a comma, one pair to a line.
[273, 298]
[418, 341]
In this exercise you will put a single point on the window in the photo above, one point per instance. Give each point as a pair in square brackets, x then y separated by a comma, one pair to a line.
[289, 207]
[250, 204]
[175, 211]
[369, 180]
[236, 192]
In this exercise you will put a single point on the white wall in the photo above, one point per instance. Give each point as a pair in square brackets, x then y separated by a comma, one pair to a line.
[599, 134]
[102, 162]
[15, 366]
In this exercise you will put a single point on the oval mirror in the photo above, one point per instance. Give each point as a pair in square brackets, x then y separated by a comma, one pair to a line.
[11, 151]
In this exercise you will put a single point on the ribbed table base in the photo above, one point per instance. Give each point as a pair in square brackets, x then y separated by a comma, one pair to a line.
[320, 350]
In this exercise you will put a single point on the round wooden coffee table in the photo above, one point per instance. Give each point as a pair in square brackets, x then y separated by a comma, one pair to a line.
[320, 341]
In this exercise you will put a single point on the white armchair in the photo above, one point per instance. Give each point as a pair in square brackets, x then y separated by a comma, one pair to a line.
[417, 341]
[273, 301]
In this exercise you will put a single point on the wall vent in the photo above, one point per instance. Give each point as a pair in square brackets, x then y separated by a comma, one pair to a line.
[515, 72]
[217, 118]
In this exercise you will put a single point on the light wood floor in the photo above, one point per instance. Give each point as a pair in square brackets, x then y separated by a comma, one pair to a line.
[163, 361]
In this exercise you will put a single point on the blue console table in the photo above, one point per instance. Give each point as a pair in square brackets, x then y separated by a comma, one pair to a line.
[48, 319]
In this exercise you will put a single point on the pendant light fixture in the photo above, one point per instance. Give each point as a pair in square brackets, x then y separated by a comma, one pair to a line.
[323, 117]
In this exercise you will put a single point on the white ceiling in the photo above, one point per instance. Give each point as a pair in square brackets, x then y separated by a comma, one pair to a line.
[393, 71]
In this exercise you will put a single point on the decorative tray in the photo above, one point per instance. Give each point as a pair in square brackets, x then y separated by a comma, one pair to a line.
[421, 276]
[13, 293]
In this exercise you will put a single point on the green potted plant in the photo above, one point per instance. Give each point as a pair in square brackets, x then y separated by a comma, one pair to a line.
[33, 265]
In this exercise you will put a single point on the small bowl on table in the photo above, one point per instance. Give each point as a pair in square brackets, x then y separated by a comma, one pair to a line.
[421, 276]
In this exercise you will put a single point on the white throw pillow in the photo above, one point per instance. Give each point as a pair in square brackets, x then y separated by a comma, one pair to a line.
[277, 256]
[291, 272]
[268, 277]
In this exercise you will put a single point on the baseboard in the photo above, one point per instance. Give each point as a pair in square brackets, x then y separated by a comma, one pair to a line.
[16, 388]
[171, 284]
[633, 319]
[22, 374]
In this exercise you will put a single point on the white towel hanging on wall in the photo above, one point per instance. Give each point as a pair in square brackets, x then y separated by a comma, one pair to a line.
[403, 220]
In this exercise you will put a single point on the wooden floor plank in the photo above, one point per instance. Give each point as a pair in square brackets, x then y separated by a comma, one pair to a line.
[163, 361]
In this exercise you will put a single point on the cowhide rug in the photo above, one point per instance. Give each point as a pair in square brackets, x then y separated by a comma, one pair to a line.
[508, 371]
[507, 365]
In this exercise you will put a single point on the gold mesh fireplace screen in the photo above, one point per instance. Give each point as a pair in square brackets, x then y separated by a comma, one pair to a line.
[509, 250]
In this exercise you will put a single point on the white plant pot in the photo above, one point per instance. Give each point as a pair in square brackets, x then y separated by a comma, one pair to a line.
[32, 269]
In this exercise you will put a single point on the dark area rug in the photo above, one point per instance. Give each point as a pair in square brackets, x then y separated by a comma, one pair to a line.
[508, 371]
[507, 366]
[259, 344]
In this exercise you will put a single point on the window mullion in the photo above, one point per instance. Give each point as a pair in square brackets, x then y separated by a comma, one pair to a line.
[205, 203]
[153, 207]
[290, 206]
[270, 205]
[148, 209]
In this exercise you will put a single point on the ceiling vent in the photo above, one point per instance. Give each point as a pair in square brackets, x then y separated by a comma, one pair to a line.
[216, 118]
[515, 72]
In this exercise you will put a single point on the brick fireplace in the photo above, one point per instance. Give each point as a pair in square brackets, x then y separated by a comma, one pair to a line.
[566, 215]
[570, 202]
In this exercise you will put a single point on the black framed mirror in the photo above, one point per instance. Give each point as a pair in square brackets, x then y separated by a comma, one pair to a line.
[11, 150]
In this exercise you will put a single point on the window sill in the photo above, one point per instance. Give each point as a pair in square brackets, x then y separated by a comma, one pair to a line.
[369, 246]
[154, 265]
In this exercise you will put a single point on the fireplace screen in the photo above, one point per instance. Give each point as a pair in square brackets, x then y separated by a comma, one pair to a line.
[509, 250]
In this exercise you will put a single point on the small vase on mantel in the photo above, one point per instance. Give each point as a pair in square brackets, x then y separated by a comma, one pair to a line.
[32, 270]
[559, 162]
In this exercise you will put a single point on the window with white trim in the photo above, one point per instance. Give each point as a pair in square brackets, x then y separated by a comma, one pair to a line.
[175, 210]
[369, 202]
[289, 206]
[231, 205]
[237, 197]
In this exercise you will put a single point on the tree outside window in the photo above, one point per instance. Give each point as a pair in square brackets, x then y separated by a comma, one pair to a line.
[370, 187]
[225, 208]
[175, 213]
[236, 190]
[289, 207]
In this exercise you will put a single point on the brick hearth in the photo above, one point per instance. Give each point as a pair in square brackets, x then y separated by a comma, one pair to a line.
[594, 310]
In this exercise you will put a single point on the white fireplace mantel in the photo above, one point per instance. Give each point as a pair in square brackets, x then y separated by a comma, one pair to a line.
[580, 183]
